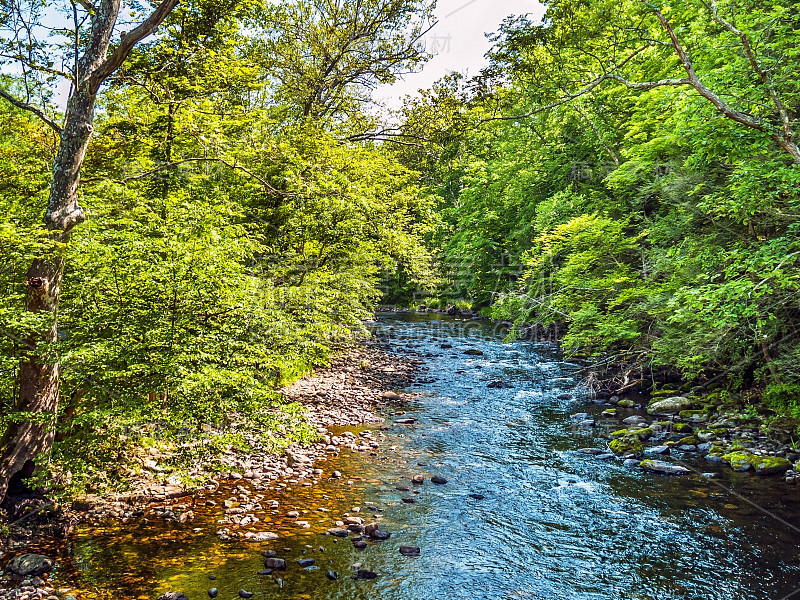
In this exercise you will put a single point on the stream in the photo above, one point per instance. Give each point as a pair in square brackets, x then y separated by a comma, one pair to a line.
[522, 515]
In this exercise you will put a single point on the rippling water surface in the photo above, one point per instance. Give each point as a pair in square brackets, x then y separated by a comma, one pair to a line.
[552, 524]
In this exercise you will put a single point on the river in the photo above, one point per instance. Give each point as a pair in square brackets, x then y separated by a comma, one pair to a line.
[522, 515]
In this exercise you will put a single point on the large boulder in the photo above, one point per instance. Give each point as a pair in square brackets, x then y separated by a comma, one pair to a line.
[30, 565]
[669, 406]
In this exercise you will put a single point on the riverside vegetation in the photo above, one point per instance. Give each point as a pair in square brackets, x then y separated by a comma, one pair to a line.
[222, 208]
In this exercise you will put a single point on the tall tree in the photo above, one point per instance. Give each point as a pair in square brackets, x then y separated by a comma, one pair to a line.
[88, 58]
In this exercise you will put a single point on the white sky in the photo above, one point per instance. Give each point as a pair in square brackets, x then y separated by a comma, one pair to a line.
[458, 42]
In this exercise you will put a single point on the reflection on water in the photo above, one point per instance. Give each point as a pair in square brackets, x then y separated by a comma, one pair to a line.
[522, 514]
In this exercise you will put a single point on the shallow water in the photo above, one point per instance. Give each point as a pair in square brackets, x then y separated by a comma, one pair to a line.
[553, 524]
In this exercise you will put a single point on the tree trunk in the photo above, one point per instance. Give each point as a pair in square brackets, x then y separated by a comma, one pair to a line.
[29, 437]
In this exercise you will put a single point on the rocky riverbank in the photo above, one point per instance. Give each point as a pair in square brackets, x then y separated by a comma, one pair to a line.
[717, 426]
[346, 393]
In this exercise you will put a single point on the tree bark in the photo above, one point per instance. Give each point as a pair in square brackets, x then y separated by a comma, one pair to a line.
[29, 437]
[25, 439]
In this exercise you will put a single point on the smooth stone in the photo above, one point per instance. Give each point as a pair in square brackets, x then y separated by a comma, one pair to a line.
[409, 550]
[631, 462]
[662, 467]
[246, 594]
[477, 496]
[305, 562]
[669, 406]
[657, 450]
[409, 500]
[338, 532]
[417, 480]
[212, 593]
[380, 534]
[438, 480]
[277, 564]
[606, 456]
[332, 575]
[364, 574]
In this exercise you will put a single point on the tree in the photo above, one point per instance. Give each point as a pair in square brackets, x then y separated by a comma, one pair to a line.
[328, 56]
[746, 75]
[88, 61]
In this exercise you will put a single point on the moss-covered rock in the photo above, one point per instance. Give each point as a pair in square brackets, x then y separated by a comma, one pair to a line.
[770, 465]
[643, 433]
[739, 461]
[682, 428]
[626, 445]
[626, 403]
[687, 441]
[619, 433]
[705, 435]
[693, 416]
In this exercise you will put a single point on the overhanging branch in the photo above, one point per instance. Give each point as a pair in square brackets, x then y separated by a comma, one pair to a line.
[32, 109]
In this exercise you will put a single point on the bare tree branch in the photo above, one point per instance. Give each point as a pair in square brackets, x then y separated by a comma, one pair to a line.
[33, 109]
[148, 26]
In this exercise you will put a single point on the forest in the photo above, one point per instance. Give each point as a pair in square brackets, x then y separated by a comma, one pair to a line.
[200, 202]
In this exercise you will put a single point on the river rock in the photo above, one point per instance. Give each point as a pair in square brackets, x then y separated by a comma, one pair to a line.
[665, 468]
[417, 480]
[390, 396]
[771, 465]
[657, 450]
[477, 496]
[305, 562]
[277, 564]
[380, 534]
[669, 406]
[409, 500]
[438, 480]
[213, 593]
[332, 575]
[409, 550]
[634, 420]
[246, 594]
[30, 565]
[172, 596]
[364, 574]
[338, 532]
[263, 536]
[406, 421]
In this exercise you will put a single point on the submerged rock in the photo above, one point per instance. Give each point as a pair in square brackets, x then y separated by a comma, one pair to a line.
[364, 574]
[662, 467]
[409, 550]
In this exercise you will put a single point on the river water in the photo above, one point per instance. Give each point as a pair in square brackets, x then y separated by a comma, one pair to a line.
[552, 523]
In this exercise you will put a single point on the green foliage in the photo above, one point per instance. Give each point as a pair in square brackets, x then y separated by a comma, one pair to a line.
[234, 239]
[783, 398]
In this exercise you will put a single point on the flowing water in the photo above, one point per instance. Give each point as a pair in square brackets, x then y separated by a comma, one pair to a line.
[552, 523]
